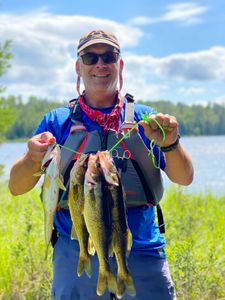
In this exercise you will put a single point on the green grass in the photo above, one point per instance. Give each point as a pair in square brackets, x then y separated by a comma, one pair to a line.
[195, 246]
[24, 274]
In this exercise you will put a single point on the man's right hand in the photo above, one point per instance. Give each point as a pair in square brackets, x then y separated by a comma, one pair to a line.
[38, 145]
[22, 177]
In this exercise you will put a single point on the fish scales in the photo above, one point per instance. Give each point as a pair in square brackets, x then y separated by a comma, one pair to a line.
[97, 218]
[76, 207]
[121, 235]
[53, 181]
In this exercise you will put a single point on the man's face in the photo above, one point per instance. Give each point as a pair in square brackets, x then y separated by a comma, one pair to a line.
[100, 77]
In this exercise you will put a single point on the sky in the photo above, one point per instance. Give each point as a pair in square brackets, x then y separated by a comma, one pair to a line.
[173, 50]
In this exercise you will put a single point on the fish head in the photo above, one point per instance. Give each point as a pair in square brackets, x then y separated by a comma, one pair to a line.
[79, 168]
[108, 168]
[50, 153]
[93, 174]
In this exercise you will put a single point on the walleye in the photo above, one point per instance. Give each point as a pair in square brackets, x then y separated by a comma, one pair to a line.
[76, 207]
[97, 215]
[53, 181]
[121, 235]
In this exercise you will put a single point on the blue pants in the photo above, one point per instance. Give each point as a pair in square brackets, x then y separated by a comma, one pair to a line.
[151, 276]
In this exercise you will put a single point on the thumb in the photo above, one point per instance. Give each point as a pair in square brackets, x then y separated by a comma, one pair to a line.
[47, 137]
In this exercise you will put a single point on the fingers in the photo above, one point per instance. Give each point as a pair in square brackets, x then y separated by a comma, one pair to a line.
[46, 137]
[162, 128]
[167, 122]
[38, 145]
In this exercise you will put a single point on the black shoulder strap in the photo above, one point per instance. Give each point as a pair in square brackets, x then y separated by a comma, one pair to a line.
[76, 112]
[129, 97]
[161, 223]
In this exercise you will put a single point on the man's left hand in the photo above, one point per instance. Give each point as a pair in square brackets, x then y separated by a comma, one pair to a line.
[153, 131]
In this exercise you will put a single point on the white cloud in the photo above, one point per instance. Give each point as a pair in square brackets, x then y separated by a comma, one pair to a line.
[207, 65]
[191, 91]
[220, 100]
[187, 13]
[44, 49]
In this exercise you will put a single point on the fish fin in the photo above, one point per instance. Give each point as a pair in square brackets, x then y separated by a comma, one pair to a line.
[73, 234]
[59, 182]
[101, 285]
[91, 248]
[39, 173]
[47, 181]
[106, 280]
[125, 283]
[84, 264]
[111, 283]
[129, 241]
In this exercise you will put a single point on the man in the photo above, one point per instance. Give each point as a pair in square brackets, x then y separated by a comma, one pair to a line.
[100, 66]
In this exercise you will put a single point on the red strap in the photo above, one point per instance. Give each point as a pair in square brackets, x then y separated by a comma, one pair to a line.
[124, 146]
[81, 148]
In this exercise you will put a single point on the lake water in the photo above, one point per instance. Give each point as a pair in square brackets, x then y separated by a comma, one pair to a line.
[208, 154]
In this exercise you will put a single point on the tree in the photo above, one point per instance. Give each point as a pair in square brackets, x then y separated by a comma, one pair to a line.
[6, 112]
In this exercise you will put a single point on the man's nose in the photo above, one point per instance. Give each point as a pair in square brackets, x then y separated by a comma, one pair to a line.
[100, 61]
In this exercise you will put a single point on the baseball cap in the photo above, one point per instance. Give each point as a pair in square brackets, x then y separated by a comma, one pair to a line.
[97, 37]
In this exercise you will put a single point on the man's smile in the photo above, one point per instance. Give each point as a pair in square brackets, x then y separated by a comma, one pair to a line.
[101, 76]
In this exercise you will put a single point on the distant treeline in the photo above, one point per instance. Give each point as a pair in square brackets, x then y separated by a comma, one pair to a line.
[27, 115]
[193, 120]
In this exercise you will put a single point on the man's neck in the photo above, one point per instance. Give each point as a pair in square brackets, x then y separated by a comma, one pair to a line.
[100, 100]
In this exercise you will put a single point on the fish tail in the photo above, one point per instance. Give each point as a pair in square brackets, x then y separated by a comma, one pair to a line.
[125, 283]
[106, 280]
[59, 181]
[84, 265]
[91, 248]
[129, 242]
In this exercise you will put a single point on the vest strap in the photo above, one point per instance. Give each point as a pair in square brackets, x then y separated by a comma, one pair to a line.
[129, 111]
[161, 223]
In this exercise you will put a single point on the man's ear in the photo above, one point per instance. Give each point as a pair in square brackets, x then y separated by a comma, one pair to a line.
[121, 66]
[120, 74]
[77, 67]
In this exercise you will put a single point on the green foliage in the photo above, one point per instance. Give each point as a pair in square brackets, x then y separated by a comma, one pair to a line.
[7, 117]
[5, 56]
[195, 119]
[24, 274]
[6, 111]
[28, 115]
[1, 170]
[196, 245]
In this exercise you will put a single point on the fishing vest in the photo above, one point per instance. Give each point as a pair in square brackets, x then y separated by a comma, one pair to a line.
[141, 180]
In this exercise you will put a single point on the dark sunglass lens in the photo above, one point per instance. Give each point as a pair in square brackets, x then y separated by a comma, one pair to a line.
[89, 58]
[110, 57]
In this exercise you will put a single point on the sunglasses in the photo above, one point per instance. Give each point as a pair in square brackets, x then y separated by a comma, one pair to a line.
[91, 58]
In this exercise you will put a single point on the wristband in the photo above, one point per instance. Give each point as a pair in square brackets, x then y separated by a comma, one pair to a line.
[171, 147]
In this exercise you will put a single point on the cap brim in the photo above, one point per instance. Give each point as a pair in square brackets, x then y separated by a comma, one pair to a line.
[98, 41]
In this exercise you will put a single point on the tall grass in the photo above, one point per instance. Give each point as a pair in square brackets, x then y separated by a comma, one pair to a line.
[195, 246]
[24, 274]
